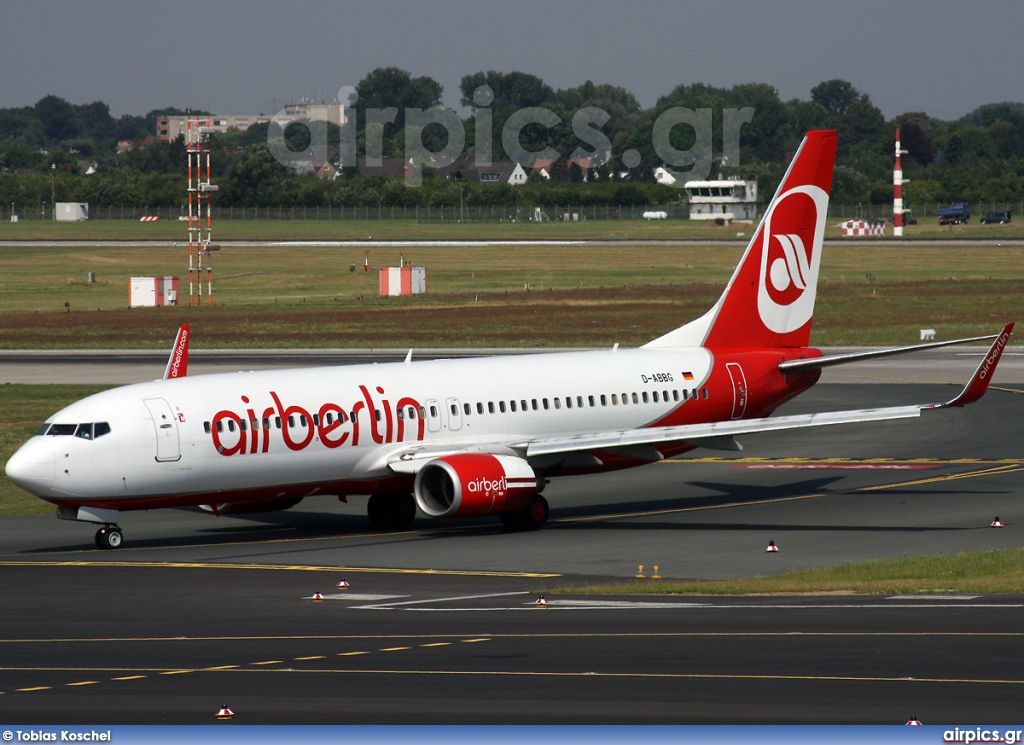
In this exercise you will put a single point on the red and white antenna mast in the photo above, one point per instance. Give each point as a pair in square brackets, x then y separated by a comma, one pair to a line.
[897, 190]
[197, 143]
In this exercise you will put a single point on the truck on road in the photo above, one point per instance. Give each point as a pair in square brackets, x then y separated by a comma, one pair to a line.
[954, 215]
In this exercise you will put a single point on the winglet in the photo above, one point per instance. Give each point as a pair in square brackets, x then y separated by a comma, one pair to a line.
[978, 383]
[177, 363]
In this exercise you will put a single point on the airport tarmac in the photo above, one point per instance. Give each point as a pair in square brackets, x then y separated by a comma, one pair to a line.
[440, 625]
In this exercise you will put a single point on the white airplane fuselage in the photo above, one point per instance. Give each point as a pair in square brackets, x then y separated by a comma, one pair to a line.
[283, 434]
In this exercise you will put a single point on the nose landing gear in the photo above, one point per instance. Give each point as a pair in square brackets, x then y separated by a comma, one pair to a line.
[109, 537]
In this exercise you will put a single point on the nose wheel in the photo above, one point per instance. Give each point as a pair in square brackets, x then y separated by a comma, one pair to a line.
[109, 537]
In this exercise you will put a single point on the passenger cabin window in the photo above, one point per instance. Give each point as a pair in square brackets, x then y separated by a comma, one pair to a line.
[645, 397]
[490, 407]
[480, 408]
[455, 409]
[604, 400]
[433, 410]
[501, 406]
[558, 403]
[545, 402]
[512, 405]
[467, 408]
[675, 396]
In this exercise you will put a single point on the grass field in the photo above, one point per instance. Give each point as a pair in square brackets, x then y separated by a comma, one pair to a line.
[578, 296]
[976, 572]
[406, 230]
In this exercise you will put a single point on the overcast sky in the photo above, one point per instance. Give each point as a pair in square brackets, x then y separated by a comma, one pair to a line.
[252, 56]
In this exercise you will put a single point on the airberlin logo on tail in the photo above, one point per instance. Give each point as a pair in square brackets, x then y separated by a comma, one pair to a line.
[789, 266]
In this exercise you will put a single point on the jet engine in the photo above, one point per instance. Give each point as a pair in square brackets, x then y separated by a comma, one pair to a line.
[475, 484]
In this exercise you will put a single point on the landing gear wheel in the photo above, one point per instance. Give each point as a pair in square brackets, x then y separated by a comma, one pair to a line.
[109, 537]
[536, 513]
[402, 509]
[512, 520]
[531, 518]
[377, 511]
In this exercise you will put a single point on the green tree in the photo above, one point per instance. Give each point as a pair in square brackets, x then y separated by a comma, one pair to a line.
[59, 119]
[257, 179]
[835, 96]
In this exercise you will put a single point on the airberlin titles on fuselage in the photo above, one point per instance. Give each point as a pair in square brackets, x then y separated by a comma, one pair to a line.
[332, 424]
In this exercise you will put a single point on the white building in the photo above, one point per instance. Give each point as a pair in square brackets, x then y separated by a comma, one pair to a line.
[169, 127]
[731, 199]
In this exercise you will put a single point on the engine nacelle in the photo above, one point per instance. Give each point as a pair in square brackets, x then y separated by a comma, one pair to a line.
[474, 484]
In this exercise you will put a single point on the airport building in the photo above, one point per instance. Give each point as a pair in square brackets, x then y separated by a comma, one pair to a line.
[169, 127]
[731, 199]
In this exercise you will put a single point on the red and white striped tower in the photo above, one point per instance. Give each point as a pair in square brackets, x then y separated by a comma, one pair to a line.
[199, 191]
[897, 190]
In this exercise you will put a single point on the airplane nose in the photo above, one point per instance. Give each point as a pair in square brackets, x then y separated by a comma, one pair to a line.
[32, 467]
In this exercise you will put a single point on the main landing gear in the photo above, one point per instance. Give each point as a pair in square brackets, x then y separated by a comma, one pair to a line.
[531, 518]
[109, 537]
[391, 510]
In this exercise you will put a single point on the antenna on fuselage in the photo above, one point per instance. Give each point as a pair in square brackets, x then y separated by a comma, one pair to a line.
[408, 357]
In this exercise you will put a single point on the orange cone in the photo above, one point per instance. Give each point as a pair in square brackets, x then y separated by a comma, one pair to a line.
[342, 585]
[541, 602]
[913, 721]
[317, 597]
[771, 547]
[997, 523]
[225, 713]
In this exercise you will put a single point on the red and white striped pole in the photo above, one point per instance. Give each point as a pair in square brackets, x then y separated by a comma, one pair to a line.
[897, 190]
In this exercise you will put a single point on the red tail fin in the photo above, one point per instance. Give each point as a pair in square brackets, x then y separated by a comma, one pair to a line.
[769, 301]
[177, 364]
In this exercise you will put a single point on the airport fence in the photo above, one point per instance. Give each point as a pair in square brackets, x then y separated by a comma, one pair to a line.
[476, 213]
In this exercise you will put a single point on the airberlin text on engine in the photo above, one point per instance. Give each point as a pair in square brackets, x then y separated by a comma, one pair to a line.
[331, 424]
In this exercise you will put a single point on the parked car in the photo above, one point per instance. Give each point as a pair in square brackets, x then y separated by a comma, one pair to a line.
[996, 218]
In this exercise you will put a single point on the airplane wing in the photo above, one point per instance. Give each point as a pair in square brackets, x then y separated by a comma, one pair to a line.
[639, 443]
[841, 359]
[695, 433]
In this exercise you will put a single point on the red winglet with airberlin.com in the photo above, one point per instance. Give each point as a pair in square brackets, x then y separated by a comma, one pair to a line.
[979, 382]
[177, 363]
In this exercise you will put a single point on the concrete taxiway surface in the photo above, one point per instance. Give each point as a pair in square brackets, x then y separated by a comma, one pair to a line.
[439, 623]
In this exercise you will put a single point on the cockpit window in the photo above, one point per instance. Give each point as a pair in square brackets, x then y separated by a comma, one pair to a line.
[86, 430]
